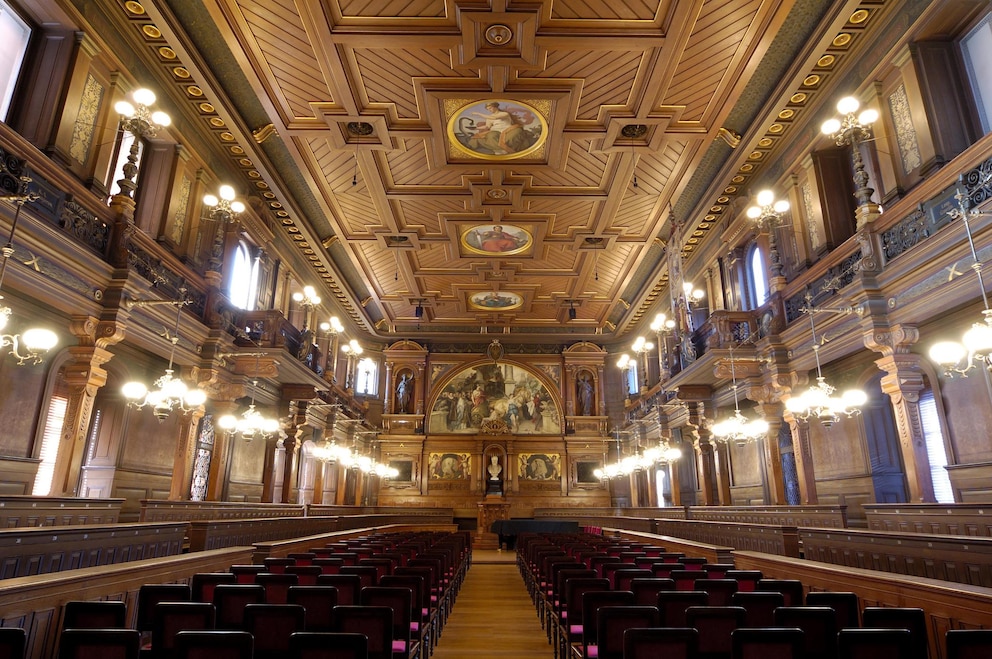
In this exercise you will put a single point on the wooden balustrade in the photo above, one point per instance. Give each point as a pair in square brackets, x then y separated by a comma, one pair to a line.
[158, 510]
[940, 518]
[217, 534]
[320, 509]
[678, 512]
[834, 517]
[768, 538]
[22, 510]
[966, 560]
[946, 605]
[33, 551]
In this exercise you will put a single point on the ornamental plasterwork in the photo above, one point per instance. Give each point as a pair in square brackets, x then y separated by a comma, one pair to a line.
[179, 219]
[82, 131]
[902, 119]
[811, 227]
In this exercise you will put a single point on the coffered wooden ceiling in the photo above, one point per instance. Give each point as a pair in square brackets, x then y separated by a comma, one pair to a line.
[340, 111]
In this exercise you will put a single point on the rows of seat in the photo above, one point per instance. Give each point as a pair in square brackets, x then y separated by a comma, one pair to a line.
[382, 596]
[601, 598]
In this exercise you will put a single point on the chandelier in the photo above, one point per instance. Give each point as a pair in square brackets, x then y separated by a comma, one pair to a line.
[738, 428]
[332, 453]
[819, 401]
[35, 341]
[976, 343]
[170, 392]
[251, 423]
[641, 460]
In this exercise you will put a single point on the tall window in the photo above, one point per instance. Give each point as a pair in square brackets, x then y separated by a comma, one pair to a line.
[365, 381]
[57, 407]
[632, 381]
[757, 277]
[936, 451]
[244, 278]
[14, 37]
[976, 49]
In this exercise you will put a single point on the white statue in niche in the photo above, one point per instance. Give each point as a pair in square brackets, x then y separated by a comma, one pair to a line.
[494, 468]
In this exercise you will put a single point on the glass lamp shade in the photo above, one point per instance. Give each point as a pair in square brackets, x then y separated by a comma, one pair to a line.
[195, 397]
[848, 105]
[853, 398]
[228, 422]
[765, 197]
[978, 339]
[143, 96]
[868, 117]
[947, 353]
[227, 192]
[599, 473]
[781, 206]
[237, 207]
[830, 126]
[134, 390]
[672, 454]
[124, 108]
[210, 200]
[754, 212]
[161, 119]
[39, 340]
[623, 360]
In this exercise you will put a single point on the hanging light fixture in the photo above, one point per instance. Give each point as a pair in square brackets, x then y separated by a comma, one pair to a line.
[640, 460]
[738, 428]
[819, 402]
[170, 392]
[251, 423]
[957, 358]
[331, 452]
[36, 341]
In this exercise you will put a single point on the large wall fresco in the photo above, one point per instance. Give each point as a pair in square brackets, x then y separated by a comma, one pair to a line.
[495, 397]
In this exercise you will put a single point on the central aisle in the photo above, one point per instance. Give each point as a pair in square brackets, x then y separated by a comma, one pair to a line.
[493, 617]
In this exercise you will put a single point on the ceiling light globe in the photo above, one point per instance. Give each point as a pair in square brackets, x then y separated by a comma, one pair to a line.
[848, 105]
[237, 207]
[227, 192]
[868, 117]
[143, 96]
[161, 119]
[124, 108]
[795, 405]
[947, 353]
[210, 200]
[758, 427]
[174, 388]
[754, 212]
[227, 422]
[134, 390]
[978, 338]
[781, 206]
[765, 198]
[854, 398]
[195, 398]
[38, 339]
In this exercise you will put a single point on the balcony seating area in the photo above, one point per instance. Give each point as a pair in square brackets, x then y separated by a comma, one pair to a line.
[380, 595]
[602, 598]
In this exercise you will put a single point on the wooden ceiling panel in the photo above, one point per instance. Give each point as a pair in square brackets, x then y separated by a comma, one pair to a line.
[703, 66]
[638, 216]
[607, 76]
[568, 215]
[439, 257]
[424, 215]
[606, 10]
[387, 75]
[283, 48]
[411, 167]
[379, 266]
[656, 169]
[581, 170]
[397, 8]
[358, 216]
[337, 168]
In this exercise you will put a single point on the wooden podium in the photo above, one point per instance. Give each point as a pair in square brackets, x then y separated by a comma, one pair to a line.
[490, 510]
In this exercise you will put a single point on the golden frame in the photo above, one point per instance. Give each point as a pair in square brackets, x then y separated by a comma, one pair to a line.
[494, 301]
[496, 239]
[475, 138]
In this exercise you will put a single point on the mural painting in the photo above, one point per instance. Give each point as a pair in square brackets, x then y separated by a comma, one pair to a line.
[502, 239]
[494, 301]
[497, 129]
[539, 466]
[449, 466]
[504, 393]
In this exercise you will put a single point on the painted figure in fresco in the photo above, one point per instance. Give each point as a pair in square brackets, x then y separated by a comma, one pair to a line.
[500, 132]
[498, 240]
[539, 469]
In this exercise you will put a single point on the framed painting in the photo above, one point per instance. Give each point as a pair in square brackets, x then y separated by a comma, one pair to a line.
[449, 466]
[494, 301]
[496, 240]
[539, 466]
[497, 129]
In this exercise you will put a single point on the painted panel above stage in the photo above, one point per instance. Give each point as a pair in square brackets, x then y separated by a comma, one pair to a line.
[496, 398]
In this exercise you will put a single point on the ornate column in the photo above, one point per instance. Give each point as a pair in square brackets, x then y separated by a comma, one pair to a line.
[903, 382]
[84, 376]
[389, 394]
[184, 455]
[804, 459]
[220, 458]
[699, 434]
[295, 430]
[268, 484]
[721, 461]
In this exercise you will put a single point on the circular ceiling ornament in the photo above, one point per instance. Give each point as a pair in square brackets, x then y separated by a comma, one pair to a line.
[499, 34]
[497, 129]
[634, 131]
[359, 128]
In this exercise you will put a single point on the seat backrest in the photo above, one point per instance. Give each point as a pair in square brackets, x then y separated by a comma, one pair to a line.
[214, 644]
[400, 600]
[613, 621]
[231, 600]
[246, 573]
[592, 602]
[99, 644]
[667, 642]
[367, 574]
[891, 617]
[271, 626]
[715, 624]
[383, 566]
[760, 606]
[306, 575]
[622, 578]
[747, 580]
[349, 587]
[767, 643]
[202, 584]
[318, 602]
[170, 618]
[575, 589]
[791, 589]
[845, 605]
[819, 625]
[150, 594]
[646, 589]
[276, 585]
[13, 642]
[872, 643]
[672, 605]
[375, 622]
[323, 645]
[329, 565]
[94, 615]
[277, 565]
[420, 597]
[720, 590]
[968, 644]
[686, 579]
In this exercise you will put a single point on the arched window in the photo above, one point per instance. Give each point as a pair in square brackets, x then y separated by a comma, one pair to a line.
[757, 277]
[243, 291]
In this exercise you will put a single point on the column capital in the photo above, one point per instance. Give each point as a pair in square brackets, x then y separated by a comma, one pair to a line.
[894, 340]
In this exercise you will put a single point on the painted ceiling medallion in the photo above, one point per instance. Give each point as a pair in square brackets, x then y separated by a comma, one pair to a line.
[497, 129]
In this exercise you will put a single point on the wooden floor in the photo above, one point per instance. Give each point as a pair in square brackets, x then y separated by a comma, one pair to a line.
[493, 616]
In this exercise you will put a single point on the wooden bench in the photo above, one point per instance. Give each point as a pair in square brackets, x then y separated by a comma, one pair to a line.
[158, 510]
[966, 560]
[973, 519]
[678, 512]
[768, 538]
[834, 517]
[22, 510]
[217, 534]
[320, 509]
[32, 551]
